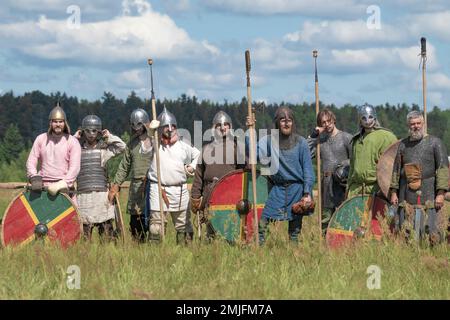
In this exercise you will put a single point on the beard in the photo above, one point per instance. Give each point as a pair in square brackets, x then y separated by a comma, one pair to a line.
[416, 135]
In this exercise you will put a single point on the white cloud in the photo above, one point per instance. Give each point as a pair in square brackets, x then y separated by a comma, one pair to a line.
[301, 7]
[372, 58]
[433, 24]
[438, 81]
[124, 39]
[344, 33]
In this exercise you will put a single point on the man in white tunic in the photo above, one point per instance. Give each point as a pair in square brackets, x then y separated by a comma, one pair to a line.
[177, 161]
[97, 147]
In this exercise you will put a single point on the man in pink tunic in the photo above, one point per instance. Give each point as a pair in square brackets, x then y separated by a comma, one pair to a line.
[59, 156]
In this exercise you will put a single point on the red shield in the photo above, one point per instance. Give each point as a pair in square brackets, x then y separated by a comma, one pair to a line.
[31, 210]
[223, 203]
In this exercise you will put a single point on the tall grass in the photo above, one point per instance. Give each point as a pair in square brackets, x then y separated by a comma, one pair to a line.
[278, 270]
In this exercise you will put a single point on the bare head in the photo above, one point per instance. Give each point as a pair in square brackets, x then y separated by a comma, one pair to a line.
[327, 120]
[415, 123]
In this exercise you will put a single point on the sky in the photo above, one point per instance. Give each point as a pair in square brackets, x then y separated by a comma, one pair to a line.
[368, 50]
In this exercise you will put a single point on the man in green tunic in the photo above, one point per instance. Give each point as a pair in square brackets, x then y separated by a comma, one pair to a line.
[367, 147]
[136, 162]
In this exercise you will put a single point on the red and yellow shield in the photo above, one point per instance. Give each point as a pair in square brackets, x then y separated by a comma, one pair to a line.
[227, 196]
[33, 211]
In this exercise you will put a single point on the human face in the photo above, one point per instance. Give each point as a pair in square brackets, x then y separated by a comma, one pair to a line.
[416, 128]
[222, 130]
[91, 135]
[169, 131]
[138, 129]
[57, 127]
[286, 126]
[367, 121]
[328, 124]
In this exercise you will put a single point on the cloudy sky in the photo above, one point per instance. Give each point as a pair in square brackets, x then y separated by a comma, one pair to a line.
[368, 49]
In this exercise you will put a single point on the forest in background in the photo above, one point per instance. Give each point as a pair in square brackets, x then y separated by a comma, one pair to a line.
[23, 117]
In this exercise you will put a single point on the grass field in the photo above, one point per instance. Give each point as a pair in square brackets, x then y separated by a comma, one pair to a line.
[279, 270]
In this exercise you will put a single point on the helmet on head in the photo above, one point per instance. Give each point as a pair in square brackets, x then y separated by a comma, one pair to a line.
[58, 113]
[222, 118]
[166, 118]
[91, 122]
[138, 117]
[367, 115]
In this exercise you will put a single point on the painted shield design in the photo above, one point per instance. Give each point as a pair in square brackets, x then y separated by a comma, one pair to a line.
[385, 166]
[356, 217]
[33, 215]
[231, 192]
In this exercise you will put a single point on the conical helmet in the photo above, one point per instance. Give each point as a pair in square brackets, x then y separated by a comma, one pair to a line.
[222, 118]
[58, 113]
[166, 118]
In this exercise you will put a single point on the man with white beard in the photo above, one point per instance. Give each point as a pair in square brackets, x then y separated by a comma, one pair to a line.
[420, 179]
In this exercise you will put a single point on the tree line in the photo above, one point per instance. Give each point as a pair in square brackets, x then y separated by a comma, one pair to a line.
[23, 117]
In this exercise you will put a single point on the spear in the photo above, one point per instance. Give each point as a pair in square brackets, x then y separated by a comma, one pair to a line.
[156, 145]
[252, 146]
[319, 181]
[423, 53]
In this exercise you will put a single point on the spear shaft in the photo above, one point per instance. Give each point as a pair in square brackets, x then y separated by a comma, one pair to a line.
[319, 179]
[156, 145]
[423, 53]
[252, 155]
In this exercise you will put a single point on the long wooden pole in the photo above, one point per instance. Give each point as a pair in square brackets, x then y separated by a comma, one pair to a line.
[319, 178]
[156, 145]
[252, 155]
[423, 53]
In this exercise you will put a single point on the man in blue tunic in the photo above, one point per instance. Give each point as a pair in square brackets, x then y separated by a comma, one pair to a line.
[285, 158]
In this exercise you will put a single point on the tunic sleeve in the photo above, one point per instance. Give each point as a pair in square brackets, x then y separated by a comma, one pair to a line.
[74, 160]
[33, 159]
[308, 172]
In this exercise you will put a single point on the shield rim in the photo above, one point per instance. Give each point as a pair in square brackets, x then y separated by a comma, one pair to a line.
[2, 241]
[385, 191]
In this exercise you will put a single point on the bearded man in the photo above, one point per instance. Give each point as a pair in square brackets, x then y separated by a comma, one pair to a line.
[291, 176]
[420, 179]
[59, 156]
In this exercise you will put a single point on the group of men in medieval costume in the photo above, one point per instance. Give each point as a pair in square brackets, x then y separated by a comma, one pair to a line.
[348, 168]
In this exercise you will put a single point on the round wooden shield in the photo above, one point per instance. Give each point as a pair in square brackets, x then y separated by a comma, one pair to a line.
[53, 218]
[224, 199]
[356, 217]
[385, 166]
